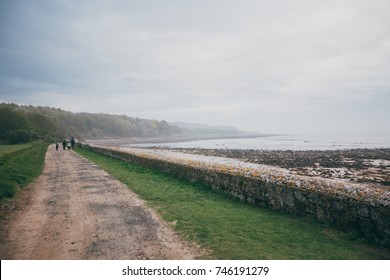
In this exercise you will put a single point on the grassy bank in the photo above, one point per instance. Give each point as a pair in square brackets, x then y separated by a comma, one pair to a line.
[7, 149]
[19, 165]
[230, 229]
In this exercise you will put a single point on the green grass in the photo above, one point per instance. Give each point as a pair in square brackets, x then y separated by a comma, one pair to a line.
[229, 229]
[20, 165]
[6, 149]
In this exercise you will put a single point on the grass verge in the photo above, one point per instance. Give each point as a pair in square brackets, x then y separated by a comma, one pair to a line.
[6, 149]
[230, 229]
[20, 166]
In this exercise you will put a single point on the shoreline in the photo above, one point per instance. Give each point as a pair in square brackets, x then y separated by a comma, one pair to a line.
[108, 142]
[368, 166]
[358, 165]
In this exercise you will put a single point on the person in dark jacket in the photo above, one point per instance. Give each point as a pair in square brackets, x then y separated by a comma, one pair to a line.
[72, 143]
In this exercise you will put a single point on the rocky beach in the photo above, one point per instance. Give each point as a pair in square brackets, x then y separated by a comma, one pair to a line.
[370, 166]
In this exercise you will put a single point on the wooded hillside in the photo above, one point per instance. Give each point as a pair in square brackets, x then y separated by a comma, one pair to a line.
[19, 124]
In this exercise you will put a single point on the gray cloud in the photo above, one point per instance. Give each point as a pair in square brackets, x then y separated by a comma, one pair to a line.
[272, 66]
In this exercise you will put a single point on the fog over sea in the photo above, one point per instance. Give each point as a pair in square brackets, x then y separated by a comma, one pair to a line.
[284, 142]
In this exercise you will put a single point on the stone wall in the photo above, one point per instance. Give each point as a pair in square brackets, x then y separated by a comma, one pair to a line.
[346, 209]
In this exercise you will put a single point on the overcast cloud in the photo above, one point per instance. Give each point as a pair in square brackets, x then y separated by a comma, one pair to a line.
[270, 66]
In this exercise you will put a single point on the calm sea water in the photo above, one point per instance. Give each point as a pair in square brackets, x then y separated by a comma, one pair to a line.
[288, 142]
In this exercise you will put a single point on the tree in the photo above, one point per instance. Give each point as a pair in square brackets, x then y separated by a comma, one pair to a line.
[19, 136]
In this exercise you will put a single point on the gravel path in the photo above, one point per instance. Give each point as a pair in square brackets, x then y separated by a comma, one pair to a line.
[75, 210]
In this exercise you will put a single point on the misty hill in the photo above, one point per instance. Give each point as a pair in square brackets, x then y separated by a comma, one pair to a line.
[197, 130]
[27, 123]
[19, 124]
[194, 126]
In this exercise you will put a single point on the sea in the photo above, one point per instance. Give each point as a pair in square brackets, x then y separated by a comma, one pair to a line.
[284, 142]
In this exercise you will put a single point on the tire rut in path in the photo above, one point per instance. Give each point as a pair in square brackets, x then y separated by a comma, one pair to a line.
[78, 211]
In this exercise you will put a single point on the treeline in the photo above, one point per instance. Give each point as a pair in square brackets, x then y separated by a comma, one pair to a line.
[20, 124]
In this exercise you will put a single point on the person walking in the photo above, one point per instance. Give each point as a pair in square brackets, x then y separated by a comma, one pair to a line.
[64, 145]
[72, 143]
[56, 146]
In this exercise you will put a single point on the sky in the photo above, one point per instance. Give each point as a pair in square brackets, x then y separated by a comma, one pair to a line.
[268, 66]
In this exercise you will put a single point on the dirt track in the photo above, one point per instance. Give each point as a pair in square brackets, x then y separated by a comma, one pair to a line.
[75, 210]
